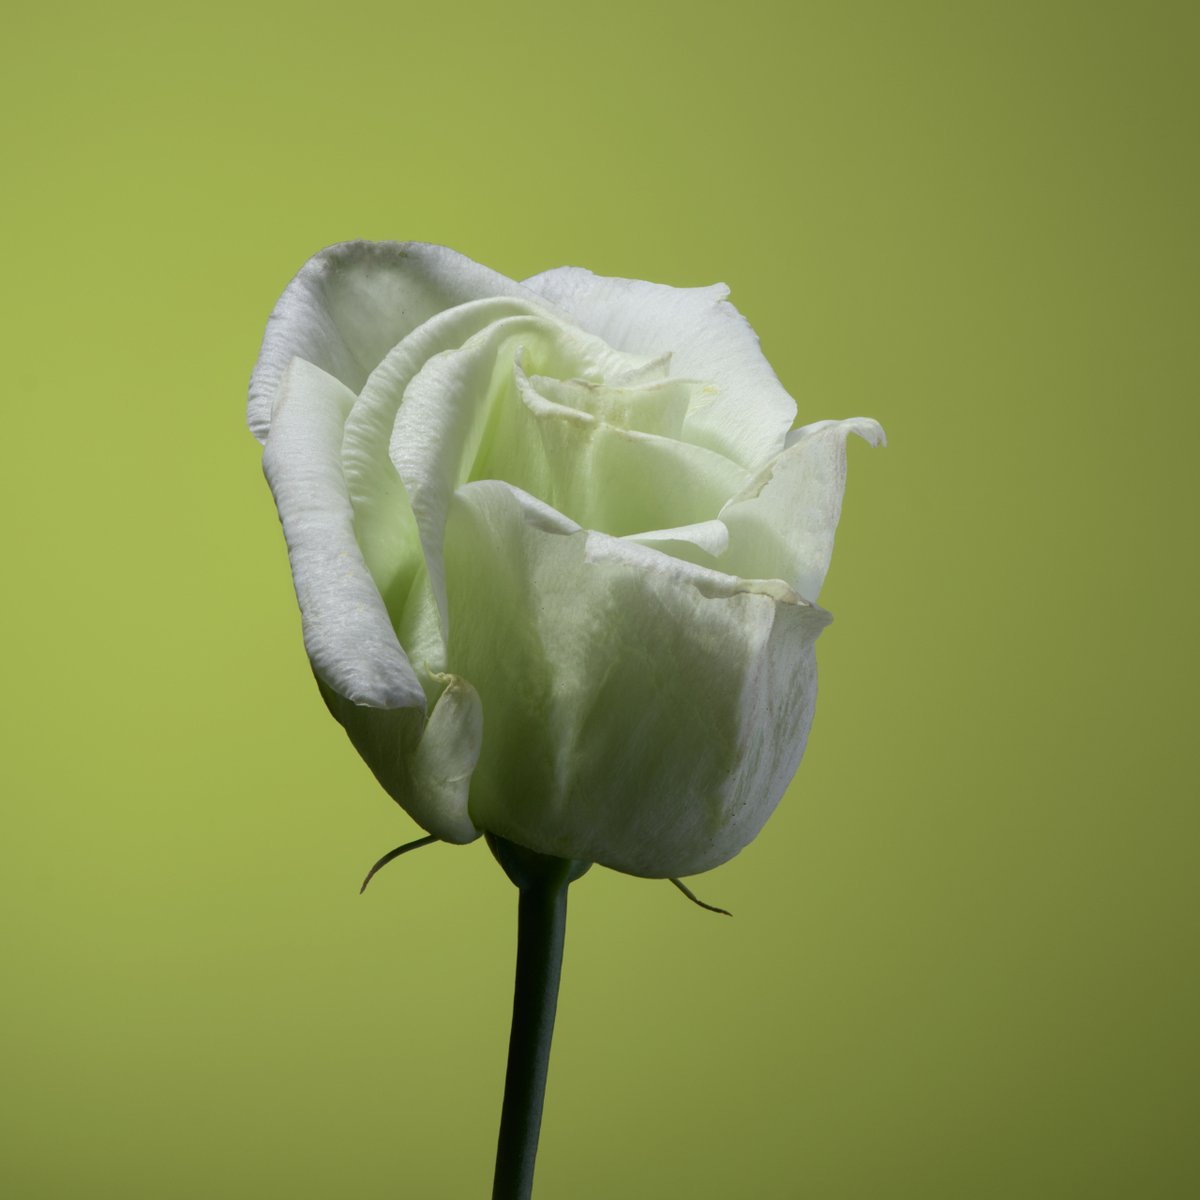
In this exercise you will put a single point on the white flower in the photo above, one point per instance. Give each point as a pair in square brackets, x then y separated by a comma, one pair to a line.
[556, 551]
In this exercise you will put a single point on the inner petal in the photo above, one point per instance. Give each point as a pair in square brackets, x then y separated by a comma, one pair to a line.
[658, 407]
[384, 524]
[604, 476]
[455, 420]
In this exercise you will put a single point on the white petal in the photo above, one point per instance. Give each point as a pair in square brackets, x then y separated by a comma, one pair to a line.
[614, 480]
[709, 537]
[446, 758]
[384, 524]
[351, 303]
[425, 766]
[658, 407]
[638, 711]
[448, 418]
[653, 370]
[707, 338]
[347, 631]
[782, 526]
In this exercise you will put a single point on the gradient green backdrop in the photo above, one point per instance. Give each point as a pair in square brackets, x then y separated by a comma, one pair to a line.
[962, 961]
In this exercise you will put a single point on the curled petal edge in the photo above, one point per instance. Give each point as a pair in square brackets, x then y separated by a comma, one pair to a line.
[783, 523]
[347, 630]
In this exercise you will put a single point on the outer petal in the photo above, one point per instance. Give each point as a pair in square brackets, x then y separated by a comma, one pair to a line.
[707, 338]
[347, 631]
[782, 525]
[364, 674]
[639, 711]
[425, 766]
[351, 303]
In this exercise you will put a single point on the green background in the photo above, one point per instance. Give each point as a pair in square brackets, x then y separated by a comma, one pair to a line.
[962, 963]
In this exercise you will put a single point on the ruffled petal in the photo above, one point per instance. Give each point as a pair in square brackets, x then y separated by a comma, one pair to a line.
[707, 338]
[658, 407]
[453, 425]
[782, 525]
[607, 478]
[384, 524]
[639, 711]
[347, 631]
[351, 303]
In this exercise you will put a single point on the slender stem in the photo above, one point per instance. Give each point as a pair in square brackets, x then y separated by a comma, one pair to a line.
[541, 926]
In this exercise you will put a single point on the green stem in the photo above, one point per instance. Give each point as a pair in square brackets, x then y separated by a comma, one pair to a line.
[541, 926]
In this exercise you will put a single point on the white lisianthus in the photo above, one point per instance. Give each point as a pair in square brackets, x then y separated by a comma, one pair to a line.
[556, 545]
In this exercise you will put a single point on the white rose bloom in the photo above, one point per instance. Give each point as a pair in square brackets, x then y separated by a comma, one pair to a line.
[556, 545]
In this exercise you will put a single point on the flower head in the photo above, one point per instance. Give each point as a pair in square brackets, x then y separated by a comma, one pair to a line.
[556, 545]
